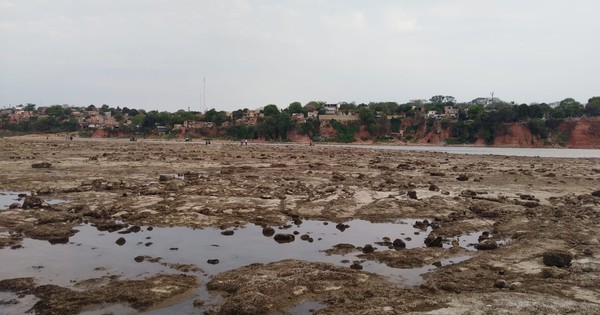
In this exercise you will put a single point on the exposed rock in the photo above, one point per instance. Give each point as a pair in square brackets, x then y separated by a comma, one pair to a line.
[433, 240]
[486, 245]
[463, 177]
[213, 261]
[139, 258]
[342, 227]
[557, 258]
[165, 178]
[368, 249]
[468, 193]
[501, 284]
[596, 193]
[412, 194]
[32, 202]
[398, 243]
[120, 241]
[356, 266]
[41, 165]
[268, 231]
[198, 303]
[227, 232]
[284, 238]
[247, 303]
[554, 272]
[515, 285]
[14, 205]
[434, 187]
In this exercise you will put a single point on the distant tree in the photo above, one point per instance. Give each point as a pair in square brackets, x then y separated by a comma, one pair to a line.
[347, 108]
[592, 108]
[56, 111]
[270, 110]
[538, 110]
[90, 108]
[295, 107]
[237, 114]
[521, 111]
[133, 112]
[476, 112]
[441, 99]
[315, 106]
[29, 107]
[568, 108]
[217, 117]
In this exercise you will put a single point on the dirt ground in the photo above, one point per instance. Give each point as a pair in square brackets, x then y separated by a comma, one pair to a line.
[545, 209]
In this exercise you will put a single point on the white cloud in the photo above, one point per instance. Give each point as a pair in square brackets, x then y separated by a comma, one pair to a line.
[399, 21]
[6, 4]
[354, 20]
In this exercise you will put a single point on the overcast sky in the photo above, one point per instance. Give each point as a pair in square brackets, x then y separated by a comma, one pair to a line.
[154, 54]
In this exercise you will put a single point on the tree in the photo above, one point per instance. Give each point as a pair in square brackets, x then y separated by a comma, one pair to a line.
[315, 106]
[216, 117]
[592, 108]
[30, 107]
[538, 110]
[56, 111]
[441, 99]
[522, 111]
[270, 110]
[295, 107]
[476, 112]
[569, 108]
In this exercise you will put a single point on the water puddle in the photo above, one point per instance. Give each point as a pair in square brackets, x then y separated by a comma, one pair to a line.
[9, 197]
[305, 308]
[93, 254]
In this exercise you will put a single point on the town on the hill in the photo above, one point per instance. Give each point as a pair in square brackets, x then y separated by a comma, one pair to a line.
[438, 120]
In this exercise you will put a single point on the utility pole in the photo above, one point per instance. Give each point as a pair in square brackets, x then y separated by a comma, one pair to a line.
[492, 99]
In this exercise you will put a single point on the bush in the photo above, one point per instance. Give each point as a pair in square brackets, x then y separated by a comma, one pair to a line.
[538, 127]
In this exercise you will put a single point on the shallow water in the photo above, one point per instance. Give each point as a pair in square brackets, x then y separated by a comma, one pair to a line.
[9, 197]
[94, 254]
[530, 152]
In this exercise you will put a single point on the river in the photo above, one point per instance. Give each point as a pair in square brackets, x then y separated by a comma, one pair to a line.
[531, 152]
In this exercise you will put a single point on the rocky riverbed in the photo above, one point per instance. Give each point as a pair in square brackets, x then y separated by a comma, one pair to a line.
[167, 227]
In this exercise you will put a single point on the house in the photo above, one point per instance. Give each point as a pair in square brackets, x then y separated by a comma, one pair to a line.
[331, 109]
[434, 114]
[162, 130]
[313, 114]
[451, 111]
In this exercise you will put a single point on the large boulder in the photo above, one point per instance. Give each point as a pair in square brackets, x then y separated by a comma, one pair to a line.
[557, 258]
[433, 240]
[32, 202]
[284, 238]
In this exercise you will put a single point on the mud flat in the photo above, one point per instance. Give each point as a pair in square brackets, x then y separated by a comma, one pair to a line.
[120, 227]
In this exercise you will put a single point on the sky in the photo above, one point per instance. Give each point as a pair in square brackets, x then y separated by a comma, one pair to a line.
[161, 54]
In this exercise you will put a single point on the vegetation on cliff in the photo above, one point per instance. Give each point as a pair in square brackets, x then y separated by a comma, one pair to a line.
[479, 121]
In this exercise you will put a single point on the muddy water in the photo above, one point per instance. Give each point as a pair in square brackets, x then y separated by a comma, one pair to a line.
[94, 254]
